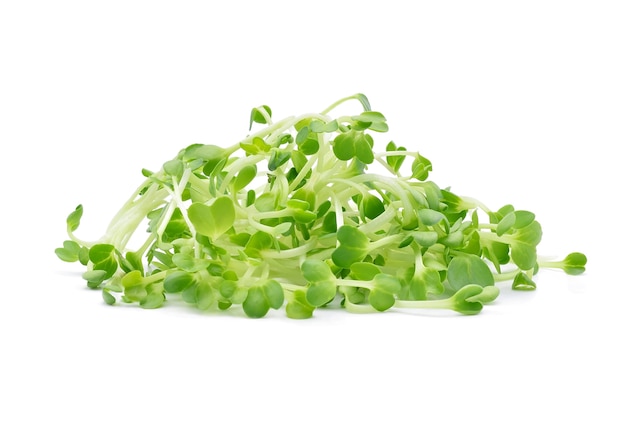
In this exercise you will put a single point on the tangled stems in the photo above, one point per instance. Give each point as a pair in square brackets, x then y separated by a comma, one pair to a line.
[290, 216]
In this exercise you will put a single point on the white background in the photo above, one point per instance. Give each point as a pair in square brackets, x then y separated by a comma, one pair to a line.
[513, 102]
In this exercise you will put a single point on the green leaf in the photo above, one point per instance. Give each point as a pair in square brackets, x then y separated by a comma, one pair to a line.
[298, 204]
[189, 294]
[524, 245]
[298, 159]
[344, 146]
[95, 277]
[303, 216]
[135, 261]
[462, 302]
[262, 297]
[364, 101]
[329, 224]
[468, 269]
[73, 219]
[244, 177]
[319, 293]
[523, 218]
[420, 168]
[353, 246]
[266, 202]
[187, 262]
[286, 138]
[152, 300]
[425, 281]
[177, 281]
[213, 220]
[69, 252]
[211, 153]
[108, 298]
[174, 168]
[308, 143]
[364, 271]
[261, 145]
[497, 253]
[204, 295]
[370, 117]
[277, 159]
[303, 134]
[309, 146]
[430, 217]
[257, 115]
[363, 148]
[505, 224]
[318, 126]
[425, 238]
[370, 120]
[135, 293]
[488, 295]
[103, 258]
[574, 263]
[314, 270]
[523, 282]
[227, 288]
[258, 241]
[395, 161]
[299, 307]
[453, 240]
[383, 295]
[176, 228]
[372, 206]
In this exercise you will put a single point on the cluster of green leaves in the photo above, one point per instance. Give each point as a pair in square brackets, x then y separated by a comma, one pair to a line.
[292, 216]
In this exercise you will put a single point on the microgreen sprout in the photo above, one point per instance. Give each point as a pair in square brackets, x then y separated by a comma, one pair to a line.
[307, 213]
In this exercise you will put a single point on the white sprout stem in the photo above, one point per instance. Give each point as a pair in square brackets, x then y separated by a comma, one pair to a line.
[265, 114]
[383, 218]
[79, 241]
[475, 202]
[290, 287]
[267, 131]
[171, 206]
[178, 199]
[305, 169]
[350, 184]
[355, 283]
[289, 253]
[337, 103]
[385, 165]
[505, 276]
[263, 228]
[122, 229]
[122, 215]
[390, 184]
[338, 211]
[422, 304]
[389, 239]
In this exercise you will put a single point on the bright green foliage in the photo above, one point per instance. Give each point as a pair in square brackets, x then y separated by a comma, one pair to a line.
[214, 219]
[468, 269]
[353, 246]
[299, 307]
[383, 293]
[263, 296]
[573, 264]
[523, 282]
[321, 282]
[307, 213]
